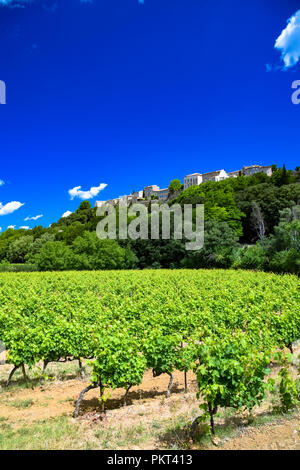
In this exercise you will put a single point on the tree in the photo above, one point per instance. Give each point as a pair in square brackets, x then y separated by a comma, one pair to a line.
[284, 179]
[85, 214]
[160, 253]
[6, 238]
[258, 221]
[289, 214]
[253, 257]
[92, 253]
[54, 256]
[175, 186]
[71, 232]
[280, 252]
[219, 202]
[131, 260]
[37, 244]
[38, 231]
[286, 261]
[282, 176]
[19, 248]
[284, 247]
[271, 199]
[220, 242]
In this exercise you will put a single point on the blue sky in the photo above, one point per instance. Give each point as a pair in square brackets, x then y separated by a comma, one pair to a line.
[120, 94]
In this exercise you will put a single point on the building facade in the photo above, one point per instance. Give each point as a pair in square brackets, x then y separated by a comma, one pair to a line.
[268, 170]
[162, 194]
[99, 203]
[137, 195]
[253, 169]
[234, 174]
[192, 180]
[214, 176]
[149, 190]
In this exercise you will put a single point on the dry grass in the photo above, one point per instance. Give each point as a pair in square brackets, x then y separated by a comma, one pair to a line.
[39, 416]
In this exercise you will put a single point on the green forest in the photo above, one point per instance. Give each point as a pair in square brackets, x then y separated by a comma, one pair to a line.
[250, 223]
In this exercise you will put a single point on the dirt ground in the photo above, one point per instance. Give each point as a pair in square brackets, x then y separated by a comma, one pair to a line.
[282, 435]
[58, 398]
[149, 421]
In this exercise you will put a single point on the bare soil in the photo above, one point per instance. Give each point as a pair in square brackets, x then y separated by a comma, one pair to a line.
[58, 398]
[282, 435]
[154, 421]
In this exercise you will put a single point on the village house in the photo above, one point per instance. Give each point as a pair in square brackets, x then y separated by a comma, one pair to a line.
[234, 174]
[251, 170]
[99, 203]
[192, 180]
[113, 201]
[137, 195]
[162, 194]
[214, 176]
[149, 190]
[197, 178]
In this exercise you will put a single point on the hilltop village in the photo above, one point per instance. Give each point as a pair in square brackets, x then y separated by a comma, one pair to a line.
[162, 195]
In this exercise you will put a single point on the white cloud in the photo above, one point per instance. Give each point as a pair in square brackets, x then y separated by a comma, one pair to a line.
[289, 41]
[11, 226]
[10, 207]
[35, 217]
[67, 213]
[25, 227]
[1, 182]
[92, 192]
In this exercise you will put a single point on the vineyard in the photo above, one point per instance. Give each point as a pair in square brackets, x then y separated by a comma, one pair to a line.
[227, 327]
